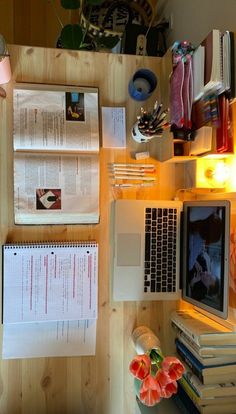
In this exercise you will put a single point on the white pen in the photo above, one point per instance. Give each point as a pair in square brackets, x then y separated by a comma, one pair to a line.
[139, 170]
[140, 173]
[133, 165]
[134, 177]
[133, 185]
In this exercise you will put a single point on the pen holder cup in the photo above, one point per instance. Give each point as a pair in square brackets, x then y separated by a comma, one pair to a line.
[138, 136]
[142, 84]
[5, 69]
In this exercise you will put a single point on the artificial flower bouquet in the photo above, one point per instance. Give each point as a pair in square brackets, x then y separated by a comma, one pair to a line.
[155, 375]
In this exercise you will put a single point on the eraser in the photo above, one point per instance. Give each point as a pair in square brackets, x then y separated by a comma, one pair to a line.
[142, 155]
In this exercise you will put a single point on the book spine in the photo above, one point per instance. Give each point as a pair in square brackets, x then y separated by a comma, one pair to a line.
[180, 325]
[190, 391]
[190, 342]
[190, 361]
[194, 383]
[184, 403]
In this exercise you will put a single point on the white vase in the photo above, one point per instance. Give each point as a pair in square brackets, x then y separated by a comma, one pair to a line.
[145, 340]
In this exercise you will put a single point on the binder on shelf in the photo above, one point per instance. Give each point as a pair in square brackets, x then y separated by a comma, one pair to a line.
[214, 66]
[212, 62]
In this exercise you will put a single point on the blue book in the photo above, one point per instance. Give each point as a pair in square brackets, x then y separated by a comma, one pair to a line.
[184, 402]
[189, 359]
[208, 374]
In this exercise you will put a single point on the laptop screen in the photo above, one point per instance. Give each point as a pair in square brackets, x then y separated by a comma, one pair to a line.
[206, 244]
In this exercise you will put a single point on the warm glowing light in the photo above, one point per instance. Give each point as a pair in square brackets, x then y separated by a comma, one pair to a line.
[212, 173]
[220, 173]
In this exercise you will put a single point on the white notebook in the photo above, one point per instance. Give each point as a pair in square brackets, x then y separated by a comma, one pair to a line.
[49, 299]
[49, 282]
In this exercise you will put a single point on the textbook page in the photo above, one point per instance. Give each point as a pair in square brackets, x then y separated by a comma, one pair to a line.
[49, 339]
[52, 189]
[56, 154]
[49, 282]
[65, 118]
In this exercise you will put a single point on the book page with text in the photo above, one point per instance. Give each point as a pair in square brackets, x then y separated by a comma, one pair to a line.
[49, 339]
[51, 189]
[51, 120]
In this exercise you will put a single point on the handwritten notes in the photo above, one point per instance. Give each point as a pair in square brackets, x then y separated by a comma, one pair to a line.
[113, 127]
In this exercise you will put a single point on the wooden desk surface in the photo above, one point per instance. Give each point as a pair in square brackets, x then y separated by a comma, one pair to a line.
[99, 384]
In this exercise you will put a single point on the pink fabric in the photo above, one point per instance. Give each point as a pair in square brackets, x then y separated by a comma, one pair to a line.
[176, 98]
[181, 94]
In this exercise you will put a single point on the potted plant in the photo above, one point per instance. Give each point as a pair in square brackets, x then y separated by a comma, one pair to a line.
[84, 35]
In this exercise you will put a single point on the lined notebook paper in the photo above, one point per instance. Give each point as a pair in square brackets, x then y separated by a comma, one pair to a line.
[49, 299]
[49, 282]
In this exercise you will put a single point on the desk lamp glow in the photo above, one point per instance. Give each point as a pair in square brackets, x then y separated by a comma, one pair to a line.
[211, 173]
[219, 174]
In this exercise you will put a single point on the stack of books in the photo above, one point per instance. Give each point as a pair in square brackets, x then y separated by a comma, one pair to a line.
[208, 351]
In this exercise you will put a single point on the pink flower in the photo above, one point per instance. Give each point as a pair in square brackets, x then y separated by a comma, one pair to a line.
[150, 391]
[174, 367]
[169, 389]
[163, 378]
[168, 386]
[140, 366]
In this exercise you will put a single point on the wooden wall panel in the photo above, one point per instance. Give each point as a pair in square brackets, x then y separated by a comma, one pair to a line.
[21, 21]
[34, 22]
[7, 20]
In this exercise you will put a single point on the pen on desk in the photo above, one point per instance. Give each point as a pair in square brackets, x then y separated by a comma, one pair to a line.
[134, 177]
[133, 185]
[133, 170]
[133, 165]
[129, 169]
[131, 173]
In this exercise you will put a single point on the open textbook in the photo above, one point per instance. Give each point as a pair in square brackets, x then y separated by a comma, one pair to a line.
[56, 154]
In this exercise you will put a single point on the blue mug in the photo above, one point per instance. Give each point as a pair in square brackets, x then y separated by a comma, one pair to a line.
[142, 84]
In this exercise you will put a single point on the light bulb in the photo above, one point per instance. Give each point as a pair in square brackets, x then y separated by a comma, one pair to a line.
[220, 173]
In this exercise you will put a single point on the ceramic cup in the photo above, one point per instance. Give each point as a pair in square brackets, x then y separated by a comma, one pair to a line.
[145, 340]
[142, 84]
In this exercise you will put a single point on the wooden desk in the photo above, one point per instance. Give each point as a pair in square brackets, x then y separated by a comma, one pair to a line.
[86, 385]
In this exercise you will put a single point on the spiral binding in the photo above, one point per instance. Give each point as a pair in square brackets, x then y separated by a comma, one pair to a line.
[51, 244]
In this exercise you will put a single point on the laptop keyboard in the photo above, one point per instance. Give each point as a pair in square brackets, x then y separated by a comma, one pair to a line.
[160, 250]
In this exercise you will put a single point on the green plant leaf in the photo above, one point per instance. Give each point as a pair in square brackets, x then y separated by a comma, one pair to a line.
[70, 4]
[94, 2]
[71, 36]
[107, 42]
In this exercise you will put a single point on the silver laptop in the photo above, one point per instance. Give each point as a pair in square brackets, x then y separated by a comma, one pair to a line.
[150, 255]
[146, 250]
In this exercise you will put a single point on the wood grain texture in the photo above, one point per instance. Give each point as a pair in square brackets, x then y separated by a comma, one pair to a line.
[85, 385]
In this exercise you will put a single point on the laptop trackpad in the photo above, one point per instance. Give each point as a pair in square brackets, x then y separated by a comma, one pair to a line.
[128, 249]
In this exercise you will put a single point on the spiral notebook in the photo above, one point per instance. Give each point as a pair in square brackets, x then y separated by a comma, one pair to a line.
[49, 299]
